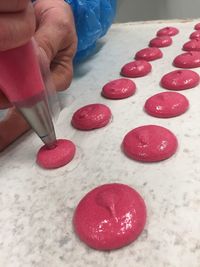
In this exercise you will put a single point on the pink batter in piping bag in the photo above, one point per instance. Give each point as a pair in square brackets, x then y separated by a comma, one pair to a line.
[22, 83]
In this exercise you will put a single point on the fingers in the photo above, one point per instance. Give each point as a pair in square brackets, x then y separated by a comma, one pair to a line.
[16, 27]
[13, 5]
[56, 35]
[62, 71]
[12, 127]
[56, 26]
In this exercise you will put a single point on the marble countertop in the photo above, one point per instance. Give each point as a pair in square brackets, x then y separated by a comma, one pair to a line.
[36, 205]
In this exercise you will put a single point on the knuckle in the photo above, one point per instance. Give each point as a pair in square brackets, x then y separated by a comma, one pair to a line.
[63, 78]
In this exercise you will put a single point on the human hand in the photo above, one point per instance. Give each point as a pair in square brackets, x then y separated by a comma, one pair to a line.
[56, 38]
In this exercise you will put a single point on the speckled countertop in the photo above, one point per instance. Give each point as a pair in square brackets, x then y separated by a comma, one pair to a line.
[36, 206]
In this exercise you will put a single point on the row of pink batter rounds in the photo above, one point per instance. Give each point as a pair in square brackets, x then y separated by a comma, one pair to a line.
[113, 215]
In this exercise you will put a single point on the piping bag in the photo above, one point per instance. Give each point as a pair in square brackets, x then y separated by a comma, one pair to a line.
[22, 83]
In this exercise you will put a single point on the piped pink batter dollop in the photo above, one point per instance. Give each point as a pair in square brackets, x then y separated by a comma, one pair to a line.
[137, 68]
[187, 60]
[149, 54]
[169, 31]
[166, 105]
[192, 45]
[195, 35]
[180, 80]
[149, 143]
[197, 26]
[110, 216]
[119, 89]
[91, 117]
[161, 41]
[59, 156]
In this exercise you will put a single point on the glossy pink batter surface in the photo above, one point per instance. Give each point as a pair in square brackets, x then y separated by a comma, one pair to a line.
[119, 88]
[192, 45]
[137, 68]
[195, 35]
[170, 31]
[110, 216]
[187, 60]
[91, 117]
[166, 105]
[56, 157]
[149, 54]
[150, 143]
[161, 41]
[180, 80]
[197, 26]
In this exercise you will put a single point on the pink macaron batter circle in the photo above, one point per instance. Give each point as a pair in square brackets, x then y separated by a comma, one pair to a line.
[180, 80]
[169, 31]
[56, 157]
[110, 216]
[92, 116]
[119, 89]
[187, 60]
[197, 26]
[166, 105]
[192, 45]
[149, 143]
[149, 54]
[195, 34]
[136, 68]
[161, 41]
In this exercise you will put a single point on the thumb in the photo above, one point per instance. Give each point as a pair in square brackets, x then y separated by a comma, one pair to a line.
[16, 27]
[57, 38]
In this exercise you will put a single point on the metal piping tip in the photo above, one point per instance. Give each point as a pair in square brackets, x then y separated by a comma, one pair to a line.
[39, 118]
[49, 140]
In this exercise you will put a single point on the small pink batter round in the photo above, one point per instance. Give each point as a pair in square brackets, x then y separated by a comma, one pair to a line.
[149, 54]
[161, 41]
[110, 216]
[169, 31]
[56, 157]
[91, 117]
[119, 89]
[192, 45]
[137, 68]
[166, 105]
[187, 60]
[195, 35]
[180, 80]
[197, 26]
[150, 143]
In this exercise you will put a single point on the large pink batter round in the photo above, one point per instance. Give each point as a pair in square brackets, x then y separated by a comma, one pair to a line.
[166, 105]
[92, 116]
[187, 60]
[180, 80]
[149, 54]
[137, 68]
[119, 88]
[110, 216]
[195, 35]
[192, 45]
[59, 156]
[149, 143]
[170, 31]
[197, 26]
[161, 41]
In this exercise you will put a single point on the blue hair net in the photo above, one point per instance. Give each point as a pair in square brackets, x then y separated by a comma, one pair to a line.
[92, 20]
